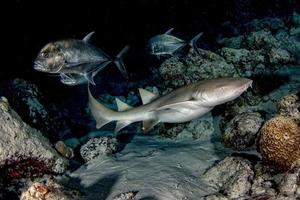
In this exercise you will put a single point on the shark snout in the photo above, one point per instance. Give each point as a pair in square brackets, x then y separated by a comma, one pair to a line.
[245, 83]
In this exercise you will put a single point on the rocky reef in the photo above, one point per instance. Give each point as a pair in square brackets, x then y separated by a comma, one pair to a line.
[253, 141]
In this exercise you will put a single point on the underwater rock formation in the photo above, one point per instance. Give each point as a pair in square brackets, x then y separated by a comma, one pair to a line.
[49, 190]
[24, 150]
[126, 196]
[195, 67]
[29, 102]
[232, 177]
[289, 106]
[98, 147]
[263, 183]
[279, 142]
[242, 130]
[64, 150]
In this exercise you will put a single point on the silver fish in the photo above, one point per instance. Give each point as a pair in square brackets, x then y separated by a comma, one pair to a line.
[77, 57]
[72, 79]
[167, 44]
[181, 105]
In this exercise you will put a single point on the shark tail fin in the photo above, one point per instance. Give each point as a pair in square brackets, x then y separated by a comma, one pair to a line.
[101, 114]
[119, 61]
[193, 41]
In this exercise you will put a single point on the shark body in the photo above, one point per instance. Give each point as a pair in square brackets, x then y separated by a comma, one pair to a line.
[181, 105]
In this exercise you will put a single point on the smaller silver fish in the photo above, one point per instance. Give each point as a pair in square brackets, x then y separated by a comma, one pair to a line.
[167, 44]
[79, 57]
[72, 79]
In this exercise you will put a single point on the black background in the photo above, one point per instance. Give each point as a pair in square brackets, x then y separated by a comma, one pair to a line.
[32, 24]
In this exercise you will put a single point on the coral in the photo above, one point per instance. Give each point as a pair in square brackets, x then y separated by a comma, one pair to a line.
[242, 130]
[98, 147]
[24, 150]
[279, 142]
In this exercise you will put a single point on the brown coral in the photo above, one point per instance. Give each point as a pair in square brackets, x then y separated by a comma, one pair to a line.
[279, 142]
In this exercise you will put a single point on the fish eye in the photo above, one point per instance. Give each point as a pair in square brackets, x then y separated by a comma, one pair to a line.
[45, 55]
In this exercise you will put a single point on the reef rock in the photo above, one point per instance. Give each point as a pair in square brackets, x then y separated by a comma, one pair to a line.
[289, 187]
[263, 184]
[126, 196]
[64, 150]
[49, 190]
[242, 130]
[195, 67]
[98, 147]
[24, 150]
[279, 142]
[289, 106]
[232, 177]
[29, 102]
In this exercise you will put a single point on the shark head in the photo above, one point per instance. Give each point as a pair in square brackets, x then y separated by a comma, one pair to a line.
[219, 91]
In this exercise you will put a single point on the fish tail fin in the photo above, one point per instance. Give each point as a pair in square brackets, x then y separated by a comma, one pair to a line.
[193, 41]
[101, 114]
[119, 61]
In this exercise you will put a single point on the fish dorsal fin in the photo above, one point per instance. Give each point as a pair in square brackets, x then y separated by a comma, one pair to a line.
[87, 38]
[168, 32]
[147, 96]
[148, 124]
[122, 106]
[121, 124]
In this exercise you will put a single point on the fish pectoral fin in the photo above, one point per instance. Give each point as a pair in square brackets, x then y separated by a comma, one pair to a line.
[147, 96]
[90, 77]
[87, 38]
[149, 124]
[121, 124]
[122, 106]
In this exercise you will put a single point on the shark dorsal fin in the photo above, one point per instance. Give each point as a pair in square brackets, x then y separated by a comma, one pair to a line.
[122, 106]
[148, 124]
[87, 38]
[121, 124]
[147, 96]
[168, 32]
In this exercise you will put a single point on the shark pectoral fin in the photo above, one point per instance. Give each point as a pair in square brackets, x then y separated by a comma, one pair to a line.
[147, 96]
[121, 124]
[183, 107]
[88, 37]
[90, 77]
[122, 106]
[101, 122]
[148, 124]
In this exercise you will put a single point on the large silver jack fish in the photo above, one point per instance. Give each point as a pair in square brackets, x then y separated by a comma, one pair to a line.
[181, 105]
